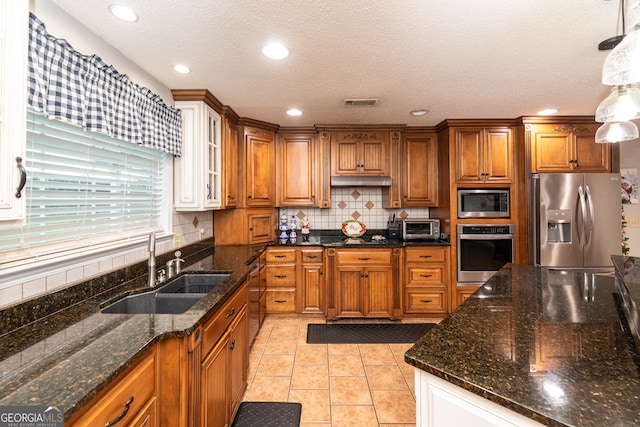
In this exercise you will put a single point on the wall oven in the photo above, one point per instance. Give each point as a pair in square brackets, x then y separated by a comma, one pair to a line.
[483, 203]
[482, 250]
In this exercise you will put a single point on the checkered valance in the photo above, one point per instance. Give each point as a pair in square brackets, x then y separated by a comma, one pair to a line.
[83, 90]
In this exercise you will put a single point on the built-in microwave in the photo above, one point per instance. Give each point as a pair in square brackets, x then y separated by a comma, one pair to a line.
[483, 203]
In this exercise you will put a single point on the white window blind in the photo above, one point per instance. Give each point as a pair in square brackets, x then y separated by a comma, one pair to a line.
[84, 189]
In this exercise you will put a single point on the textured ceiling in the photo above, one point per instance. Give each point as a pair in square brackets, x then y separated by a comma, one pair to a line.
[458, 59]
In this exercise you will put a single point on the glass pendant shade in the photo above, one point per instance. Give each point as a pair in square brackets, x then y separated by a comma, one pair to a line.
[622, 104]
[622, 64]
[616, 132]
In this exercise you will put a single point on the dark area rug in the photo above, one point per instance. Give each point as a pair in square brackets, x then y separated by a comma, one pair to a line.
[268, 414]
[370, 333]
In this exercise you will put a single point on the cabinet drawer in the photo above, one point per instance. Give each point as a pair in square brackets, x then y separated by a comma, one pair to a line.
[311, 256]
[428, 275]
[130, 393]
[281, 301]
[360, 257]
[424, 254]
[281, 275]
[214, 328]
[281, 255]
[426, 301]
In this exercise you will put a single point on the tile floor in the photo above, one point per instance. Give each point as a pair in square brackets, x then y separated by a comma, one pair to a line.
[339, 385]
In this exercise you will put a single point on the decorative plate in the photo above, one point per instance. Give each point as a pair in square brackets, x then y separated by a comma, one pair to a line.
[353, 228]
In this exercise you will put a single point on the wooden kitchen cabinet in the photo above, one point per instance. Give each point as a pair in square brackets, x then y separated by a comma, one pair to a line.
[132, 398]
[244, 226]
[259, 161]
[298, 169]
[198, 171]
[567, 148]
[311, 286]
[484, 155]
[281, 280]
[420, 169]
[230, 197]
[360, 153]
[426, 283]
[363, 283]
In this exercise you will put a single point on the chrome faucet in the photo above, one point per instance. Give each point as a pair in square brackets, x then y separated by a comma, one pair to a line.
[152, 260]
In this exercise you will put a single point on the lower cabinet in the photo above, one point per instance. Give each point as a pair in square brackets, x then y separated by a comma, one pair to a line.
[364, 283]
[426, 280]
[281, 280]
[310, 286]
[130, 401]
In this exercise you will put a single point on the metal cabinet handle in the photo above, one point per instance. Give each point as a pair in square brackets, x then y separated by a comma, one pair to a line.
[281, 276]
[23, 177]
[426, 275]
[280, 301]
[425, 256]
[233, 344]
[231, 312]
[425, 300]
[364, 259]
[119, 418]
[280, 256]
[312, 256]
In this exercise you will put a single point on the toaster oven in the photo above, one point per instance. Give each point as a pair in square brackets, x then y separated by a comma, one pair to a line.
[420, 229]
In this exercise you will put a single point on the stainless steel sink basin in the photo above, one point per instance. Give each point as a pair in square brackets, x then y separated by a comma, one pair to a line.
[175, 297]
[194, 283]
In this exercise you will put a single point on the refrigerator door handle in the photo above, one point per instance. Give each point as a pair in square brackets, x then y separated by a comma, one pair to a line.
[581, 216]
[591, 218]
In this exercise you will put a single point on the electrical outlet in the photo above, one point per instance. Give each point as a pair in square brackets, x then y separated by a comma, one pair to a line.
[634, 222]
[177, 241]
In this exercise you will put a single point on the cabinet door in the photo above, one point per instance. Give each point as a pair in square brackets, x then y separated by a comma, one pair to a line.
[590, 156]
[261, 227]
[238, 346]
[553, 150]
[345, 158]
[360, 153]
[420, 172]
[379, 292]
[260, 159]
[311, 289]
[297, 170]
[498, 158]
[374, 157]
[214, 397]
[469, 155]
[348, 292]
[231, 167]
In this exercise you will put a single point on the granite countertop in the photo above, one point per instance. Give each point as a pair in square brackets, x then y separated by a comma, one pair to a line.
[336, 239]
[551, 345]
[66, 358]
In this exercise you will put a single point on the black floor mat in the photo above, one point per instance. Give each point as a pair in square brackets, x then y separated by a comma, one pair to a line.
[268, 414]
[371, 333]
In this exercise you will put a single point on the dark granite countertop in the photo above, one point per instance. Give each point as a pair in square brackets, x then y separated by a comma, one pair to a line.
[67, 357]
[336, 239]
[551, 345]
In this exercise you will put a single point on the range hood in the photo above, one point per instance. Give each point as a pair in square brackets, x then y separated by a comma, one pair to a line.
[361, 181]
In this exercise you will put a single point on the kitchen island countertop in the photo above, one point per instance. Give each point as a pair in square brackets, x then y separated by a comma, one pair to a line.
[549, 344]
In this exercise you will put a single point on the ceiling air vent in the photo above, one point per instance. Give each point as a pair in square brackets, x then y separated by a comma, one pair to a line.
[361, 102]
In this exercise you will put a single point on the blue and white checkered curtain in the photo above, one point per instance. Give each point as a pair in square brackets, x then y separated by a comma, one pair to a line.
[83, 90]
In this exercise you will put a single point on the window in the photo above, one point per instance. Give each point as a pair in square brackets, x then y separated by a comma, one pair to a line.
[83, 189]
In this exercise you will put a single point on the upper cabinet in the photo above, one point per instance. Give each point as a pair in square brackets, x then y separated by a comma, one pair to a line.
[420, 169]
[259, 162]
[230, 160]
[360, 153]
[197, 173]
[567, 147]
[13, 75]
[298, 168]
[484, 155]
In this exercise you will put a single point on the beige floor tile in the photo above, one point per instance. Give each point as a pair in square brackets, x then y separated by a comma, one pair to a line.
[345, 365]
[275, 365]
[394, 406]
[353, 416]
[376, 354]
[407, 370]
[269, 389]
[400, 348]
[344, 349]
[310, 377]
[316, 425]
[277, 345]
[312, 354]
[350, 391]
[382, 377]
[315, 404]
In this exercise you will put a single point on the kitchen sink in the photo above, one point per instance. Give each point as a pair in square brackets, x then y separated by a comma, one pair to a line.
[194, 283]
[175, 297]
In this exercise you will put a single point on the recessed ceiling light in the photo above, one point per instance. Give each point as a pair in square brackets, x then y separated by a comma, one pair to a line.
[294, 112]
[275, 51]
[547, 111]
[182, 69]
[123, 12]
[419, 112]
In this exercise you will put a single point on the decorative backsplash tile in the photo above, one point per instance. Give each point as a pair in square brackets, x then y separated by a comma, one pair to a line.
[361, 203]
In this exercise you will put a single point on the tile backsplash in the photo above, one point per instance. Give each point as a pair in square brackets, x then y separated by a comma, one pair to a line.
[361, 203]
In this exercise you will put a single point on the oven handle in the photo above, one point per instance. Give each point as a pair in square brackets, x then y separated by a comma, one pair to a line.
[485, 236]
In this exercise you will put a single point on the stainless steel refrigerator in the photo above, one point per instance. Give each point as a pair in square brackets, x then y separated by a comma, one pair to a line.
[577, 219]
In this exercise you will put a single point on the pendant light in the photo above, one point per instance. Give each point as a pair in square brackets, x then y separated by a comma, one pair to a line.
[616, 132]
